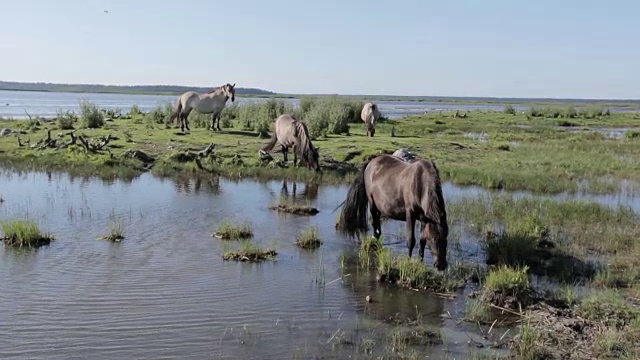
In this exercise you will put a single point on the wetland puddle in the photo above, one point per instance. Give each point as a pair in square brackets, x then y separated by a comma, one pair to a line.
[165, 291]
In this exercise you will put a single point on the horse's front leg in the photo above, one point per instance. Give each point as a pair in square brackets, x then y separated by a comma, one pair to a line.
[218, 117]
[411, 223]
[423, 239]
[295, 156]
[213, 121]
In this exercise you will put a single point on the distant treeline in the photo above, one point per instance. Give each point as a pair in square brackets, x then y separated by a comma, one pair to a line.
[144, 89]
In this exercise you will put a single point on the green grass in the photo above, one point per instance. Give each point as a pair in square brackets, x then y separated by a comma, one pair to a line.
[569, 240]
[412, 272]
[24, 234]
[250, 252]
[228, 231]
[507, 287]
[309, 239]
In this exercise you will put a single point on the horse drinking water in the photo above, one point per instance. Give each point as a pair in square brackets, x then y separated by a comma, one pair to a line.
[403, 191]
[212, 103]
[291, 132]
[370, 114]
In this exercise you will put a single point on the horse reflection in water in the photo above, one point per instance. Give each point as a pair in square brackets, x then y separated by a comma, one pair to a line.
[310, 191]
[187, 184]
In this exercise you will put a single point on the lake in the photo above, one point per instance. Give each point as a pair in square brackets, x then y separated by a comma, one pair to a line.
[165, 291]
[15, 104]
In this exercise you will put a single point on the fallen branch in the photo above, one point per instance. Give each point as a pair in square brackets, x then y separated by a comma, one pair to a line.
[71, 141]
[189, 156]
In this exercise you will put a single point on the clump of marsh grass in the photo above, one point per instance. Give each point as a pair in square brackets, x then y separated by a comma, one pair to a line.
[369, 246]
[403, 337]
[66, 119]
[309, 239]
[91, 115]
[24, 234]
[507, 287]
[116, 232]
[403, 270]
[250, 252]
[229, 231]
[509, 109]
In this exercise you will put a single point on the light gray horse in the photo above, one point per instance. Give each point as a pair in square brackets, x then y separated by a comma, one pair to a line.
[370, 114]
[212, 103]
[291, 132]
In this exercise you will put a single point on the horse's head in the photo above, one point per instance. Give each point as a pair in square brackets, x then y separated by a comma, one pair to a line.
[437, 238]
[371, 130]
[312, 158]
[230, 91]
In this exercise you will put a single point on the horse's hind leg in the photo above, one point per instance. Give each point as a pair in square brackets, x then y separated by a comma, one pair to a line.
[375, 219]
[284, 152]
[186, 122]
[411, 223]
[182, 121]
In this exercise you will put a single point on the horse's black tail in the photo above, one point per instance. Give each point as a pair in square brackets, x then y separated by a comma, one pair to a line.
[269, 146]
[176, 113]
[353, 218]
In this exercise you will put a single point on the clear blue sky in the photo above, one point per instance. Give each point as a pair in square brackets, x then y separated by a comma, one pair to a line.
[509, 48]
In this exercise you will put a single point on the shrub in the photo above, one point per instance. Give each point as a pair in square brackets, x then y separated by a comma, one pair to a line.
[92, 117]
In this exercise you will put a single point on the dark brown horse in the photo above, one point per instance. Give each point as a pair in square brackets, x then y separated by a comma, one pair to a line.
[401, 191]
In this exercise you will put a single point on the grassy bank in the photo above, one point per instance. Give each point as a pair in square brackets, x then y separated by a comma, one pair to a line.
[585, 257]
[545, 151]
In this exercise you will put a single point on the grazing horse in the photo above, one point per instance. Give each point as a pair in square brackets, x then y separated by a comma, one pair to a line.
[212, 103]
[291, 132]
[370, 114]
[403, 191]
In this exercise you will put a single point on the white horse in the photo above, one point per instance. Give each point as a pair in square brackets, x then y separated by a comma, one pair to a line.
[212, 103]
[370, 114]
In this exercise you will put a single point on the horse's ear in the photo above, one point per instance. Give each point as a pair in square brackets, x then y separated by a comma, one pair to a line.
[317, 148]
[234, 85]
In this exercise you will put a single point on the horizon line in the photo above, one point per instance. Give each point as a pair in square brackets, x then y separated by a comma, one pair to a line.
[319, 94]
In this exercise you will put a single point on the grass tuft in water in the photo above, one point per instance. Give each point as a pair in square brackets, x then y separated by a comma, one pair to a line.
[24, 234]
[402, 337]
[296, 209]
[369, 246]
[309, 239]
[116, 232]
[229, 231]
[250, 252]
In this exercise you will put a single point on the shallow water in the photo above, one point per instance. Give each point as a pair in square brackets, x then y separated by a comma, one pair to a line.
[165, 291]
